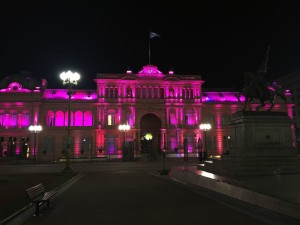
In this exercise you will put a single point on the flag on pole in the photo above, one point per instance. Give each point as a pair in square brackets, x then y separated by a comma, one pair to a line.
[152, 35]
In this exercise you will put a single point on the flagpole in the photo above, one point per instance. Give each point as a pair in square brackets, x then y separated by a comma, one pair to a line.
[149, 49]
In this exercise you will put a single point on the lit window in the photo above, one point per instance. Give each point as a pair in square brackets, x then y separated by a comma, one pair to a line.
[110, 120]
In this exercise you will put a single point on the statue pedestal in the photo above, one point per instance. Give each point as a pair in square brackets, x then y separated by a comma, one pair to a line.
[261, 144]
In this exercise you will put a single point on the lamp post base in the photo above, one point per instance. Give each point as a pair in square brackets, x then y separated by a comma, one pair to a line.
[67, 169]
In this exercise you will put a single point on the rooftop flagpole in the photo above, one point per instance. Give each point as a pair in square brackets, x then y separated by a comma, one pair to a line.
[149, 47]
[151, 35]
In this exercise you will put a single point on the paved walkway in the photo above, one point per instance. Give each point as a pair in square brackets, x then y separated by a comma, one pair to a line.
[129, 195]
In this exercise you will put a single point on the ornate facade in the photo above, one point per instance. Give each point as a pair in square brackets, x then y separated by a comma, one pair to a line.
[169, 106]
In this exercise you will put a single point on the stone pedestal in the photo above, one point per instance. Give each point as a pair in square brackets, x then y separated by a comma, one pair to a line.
[261, 144]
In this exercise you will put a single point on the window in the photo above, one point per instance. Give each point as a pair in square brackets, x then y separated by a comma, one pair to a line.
[50, 119]
[171, 92]
[138, 92]
[106, 92]
[111, 93]
[67, 118]
[110, 119]
[11, 147]
[189, 117]
[191, 94]
[187, 93]
[162, 93]
[183, 93]
[24, 148]
[225, 119]
[78, 118]
[150, 92]
[116, 92]
[88, 119]
[128, 92]
[144, 92]
[86, 145]
[59, 119]
[65, 144]
[155, 92]
[211, 119]
[2, 117]
[26, 119]
[172, 119]
[13, 119]
[111, 145]
[48, 145]
[130, 119]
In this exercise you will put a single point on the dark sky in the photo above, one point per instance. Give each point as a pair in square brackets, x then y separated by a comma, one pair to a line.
[219, 40]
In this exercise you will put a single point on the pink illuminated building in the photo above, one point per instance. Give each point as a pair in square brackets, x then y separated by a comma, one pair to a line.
[169, 106]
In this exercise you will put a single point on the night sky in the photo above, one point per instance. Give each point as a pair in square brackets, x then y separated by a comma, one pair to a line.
[218, 40]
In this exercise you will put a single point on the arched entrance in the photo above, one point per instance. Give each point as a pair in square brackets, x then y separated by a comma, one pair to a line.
[150, 123]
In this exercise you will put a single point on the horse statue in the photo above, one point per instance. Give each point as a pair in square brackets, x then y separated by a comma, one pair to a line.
[256, 87]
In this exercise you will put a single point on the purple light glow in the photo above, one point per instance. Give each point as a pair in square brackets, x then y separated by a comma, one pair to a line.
[14, 87]
[222, 97]
[61, 118]
[150, 70]
[76, 94]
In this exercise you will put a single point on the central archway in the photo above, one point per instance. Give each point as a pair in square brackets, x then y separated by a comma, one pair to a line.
[150, 123]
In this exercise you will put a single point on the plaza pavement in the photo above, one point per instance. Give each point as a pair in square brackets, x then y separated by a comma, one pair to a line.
[80, 199]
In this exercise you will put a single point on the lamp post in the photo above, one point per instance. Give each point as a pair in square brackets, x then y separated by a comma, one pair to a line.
[205, 127]
[69, 79]
[124, 128]
[149, 137]
[35, 129]
[164, 161]
[200, 150]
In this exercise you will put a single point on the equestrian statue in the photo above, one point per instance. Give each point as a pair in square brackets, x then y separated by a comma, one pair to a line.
[257, 87]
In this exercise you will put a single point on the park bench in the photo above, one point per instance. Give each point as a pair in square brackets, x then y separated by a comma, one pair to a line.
[38, 195]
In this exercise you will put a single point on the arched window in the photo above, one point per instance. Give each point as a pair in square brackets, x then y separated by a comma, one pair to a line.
[88, 119]
[50, 119]
[67, 118]
[59, 118]
[78, 118]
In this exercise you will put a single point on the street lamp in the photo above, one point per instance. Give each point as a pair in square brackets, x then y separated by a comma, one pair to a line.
[205, 127]
[124, 128]
[149, 137]
[35, 129]
[69, 79]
